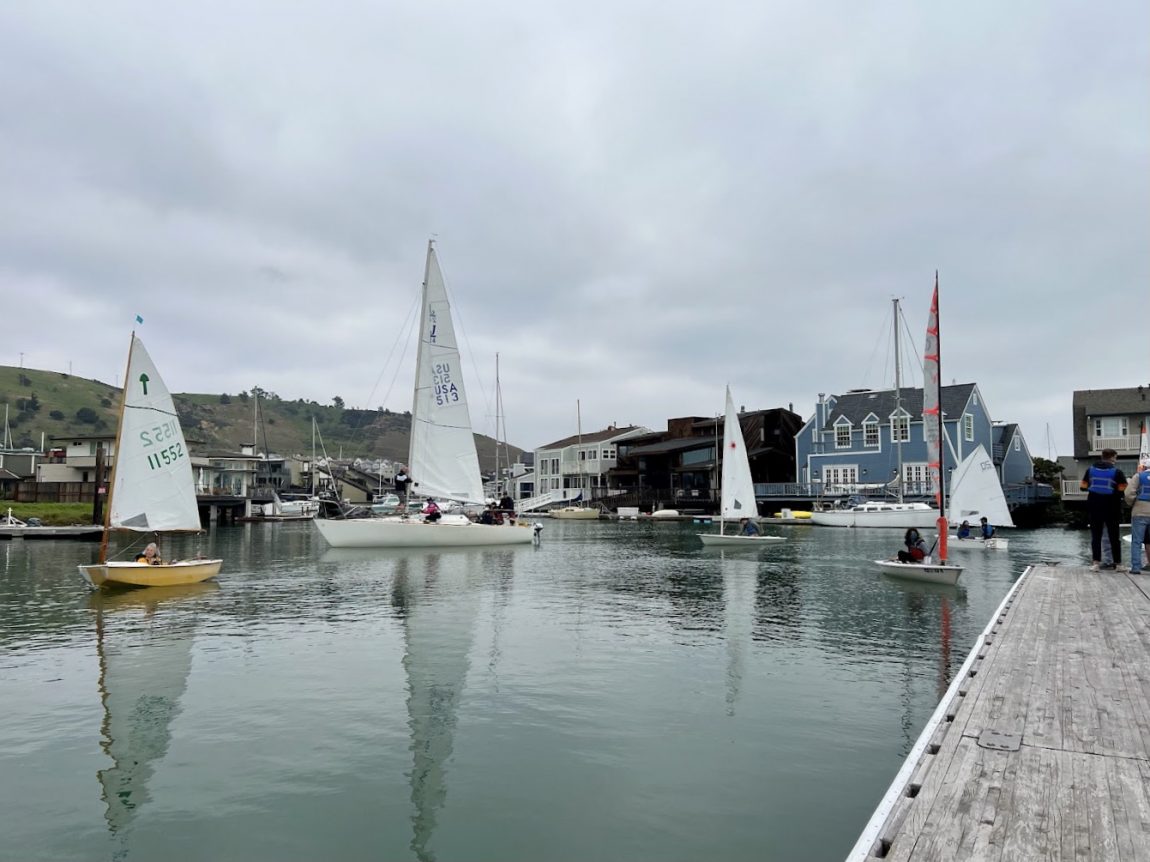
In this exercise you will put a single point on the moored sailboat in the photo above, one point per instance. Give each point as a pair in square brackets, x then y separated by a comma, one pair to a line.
[976, 493]
[152, 489]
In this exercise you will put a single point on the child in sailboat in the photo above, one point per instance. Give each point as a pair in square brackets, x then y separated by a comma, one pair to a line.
[431, 512]
[964, 530]
[915, 548]
[985, 528]
[749, 527]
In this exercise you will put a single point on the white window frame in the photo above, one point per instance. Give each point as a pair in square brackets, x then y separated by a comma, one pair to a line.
[968, 427]
[1017, 443]
[1122, 425]
[840, 475]
[840, 426]
[871, 428]
[916, 476]
[900, 420]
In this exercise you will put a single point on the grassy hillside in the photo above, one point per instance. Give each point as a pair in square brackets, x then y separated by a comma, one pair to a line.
[60, 405]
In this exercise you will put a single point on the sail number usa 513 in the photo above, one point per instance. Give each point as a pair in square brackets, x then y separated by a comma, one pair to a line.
[164, 453]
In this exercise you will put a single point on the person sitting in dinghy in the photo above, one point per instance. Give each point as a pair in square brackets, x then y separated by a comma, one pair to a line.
[915, 548]
[986, 530]
[749, 527]
[964, 530]
[431, 512]
[150, 555]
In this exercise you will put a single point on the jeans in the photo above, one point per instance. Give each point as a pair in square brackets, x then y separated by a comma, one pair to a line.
[1139, 535]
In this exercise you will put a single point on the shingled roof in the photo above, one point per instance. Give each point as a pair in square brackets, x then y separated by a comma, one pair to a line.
[857, 406]
[1132, 401]
[590, 437]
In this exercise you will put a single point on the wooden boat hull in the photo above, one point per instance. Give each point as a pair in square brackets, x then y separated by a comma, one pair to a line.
[414, 533]
[575, 513]
[737, 541]
[125, 574]
[931, 573]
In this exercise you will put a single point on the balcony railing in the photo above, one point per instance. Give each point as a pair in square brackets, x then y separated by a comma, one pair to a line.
[1126, 444]
[1072, 490]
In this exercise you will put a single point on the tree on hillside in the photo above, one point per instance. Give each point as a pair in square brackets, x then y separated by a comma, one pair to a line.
[225, 399]
[57, 415]
[338, 402]
[87, 416]
[1048, 472]
[244, 397]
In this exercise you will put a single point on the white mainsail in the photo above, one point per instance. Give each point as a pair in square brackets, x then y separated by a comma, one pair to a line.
[738, 492]
[153, 486]
[976, 492]
[442, 460]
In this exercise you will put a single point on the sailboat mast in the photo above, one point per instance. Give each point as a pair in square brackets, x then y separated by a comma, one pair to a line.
[579, 444]
[419, 351]
[941, 429]
[115, 456]
[498, 415]
[896, 424]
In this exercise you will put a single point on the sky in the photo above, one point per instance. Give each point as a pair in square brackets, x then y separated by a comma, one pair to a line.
[634, 204]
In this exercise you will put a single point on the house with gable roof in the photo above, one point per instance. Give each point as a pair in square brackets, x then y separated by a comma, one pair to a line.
[1105, 419]
[851, 443]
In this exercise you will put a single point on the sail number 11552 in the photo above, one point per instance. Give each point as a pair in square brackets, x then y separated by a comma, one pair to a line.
[156, 437]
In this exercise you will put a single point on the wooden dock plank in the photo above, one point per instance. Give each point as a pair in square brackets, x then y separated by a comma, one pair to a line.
[1048, 752]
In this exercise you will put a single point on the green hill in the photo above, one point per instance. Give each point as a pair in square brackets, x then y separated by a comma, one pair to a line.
[55, 404]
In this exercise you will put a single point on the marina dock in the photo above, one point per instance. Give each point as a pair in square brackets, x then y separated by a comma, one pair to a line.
[1040, 748]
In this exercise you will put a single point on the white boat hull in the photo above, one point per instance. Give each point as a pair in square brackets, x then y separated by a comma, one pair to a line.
[575, 513]
[895, 515]
[931, 573]
[733, 540]
[126, 574]
[450, 532]
[992, 544]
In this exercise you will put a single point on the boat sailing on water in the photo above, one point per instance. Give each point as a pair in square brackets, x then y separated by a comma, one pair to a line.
[928, 570]
[976, 493]
[737, 494]
[882, 513]
[442, 459]
[152, 489]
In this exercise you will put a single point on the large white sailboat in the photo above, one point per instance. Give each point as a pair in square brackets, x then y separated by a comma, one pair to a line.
[737, 495]
[879, 513]
[442, 462]
[153, 489]
[929, 570]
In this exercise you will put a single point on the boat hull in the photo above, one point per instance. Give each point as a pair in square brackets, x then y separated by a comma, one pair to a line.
[125, 574]
[574, 513]
[931, 573]
[737, 541]
[892, 515]
[414, 533]
[994, 544]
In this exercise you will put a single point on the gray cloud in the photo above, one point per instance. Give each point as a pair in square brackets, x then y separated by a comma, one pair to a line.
[635, 205]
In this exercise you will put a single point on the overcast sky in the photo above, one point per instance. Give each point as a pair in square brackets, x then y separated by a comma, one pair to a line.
[635, 203]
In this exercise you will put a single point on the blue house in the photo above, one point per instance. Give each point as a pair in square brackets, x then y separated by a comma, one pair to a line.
[851, 443]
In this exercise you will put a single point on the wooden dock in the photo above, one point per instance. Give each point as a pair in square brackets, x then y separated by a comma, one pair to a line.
[1041, 747]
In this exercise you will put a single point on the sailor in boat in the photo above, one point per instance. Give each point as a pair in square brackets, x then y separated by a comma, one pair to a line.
[150, 555]
[749, 527]
[402, 480]
[985, 528]
[915, 548]
[431, 513]
[964, 530]
[507, 505]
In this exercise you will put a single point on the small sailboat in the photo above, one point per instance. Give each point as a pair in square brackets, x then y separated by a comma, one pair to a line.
[975, 494]
[152, 489]
[443, 463]
[737, 496]
[928, 570]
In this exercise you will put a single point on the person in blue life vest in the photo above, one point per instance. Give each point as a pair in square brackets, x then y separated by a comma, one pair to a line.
[964, 530]
[1104, 484]
[915, 547]
[984, 528]
[749, 527]
[1138, 495]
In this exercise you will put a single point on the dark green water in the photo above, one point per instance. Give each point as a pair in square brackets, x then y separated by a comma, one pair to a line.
[615, 693]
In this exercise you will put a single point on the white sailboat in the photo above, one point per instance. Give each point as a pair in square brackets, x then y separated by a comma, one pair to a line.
[578, 510]
[976, 493]
[737, 495]
[880, 513]
[443, 462]
[928, 570]
[152, 489]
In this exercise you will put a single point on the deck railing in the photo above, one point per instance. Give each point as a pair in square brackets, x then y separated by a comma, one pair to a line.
[1124, 444]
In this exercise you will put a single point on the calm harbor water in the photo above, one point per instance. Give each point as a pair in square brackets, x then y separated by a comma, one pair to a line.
[616, 692]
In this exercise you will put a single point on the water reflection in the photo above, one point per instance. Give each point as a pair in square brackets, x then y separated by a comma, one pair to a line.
[438, 604]
[144, 641]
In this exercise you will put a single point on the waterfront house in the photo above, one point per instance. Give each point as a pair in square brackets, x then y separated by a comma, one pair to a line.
[851, 443]
[577, 466]
[1105, 419]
